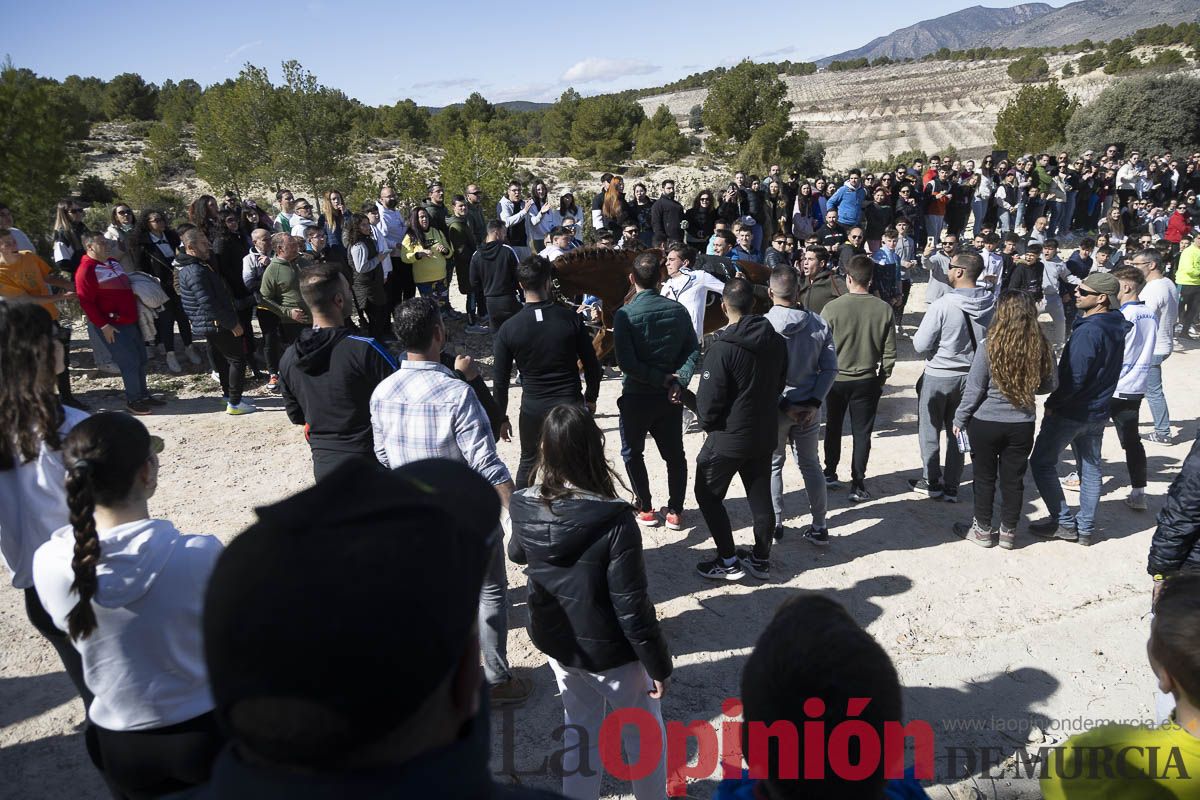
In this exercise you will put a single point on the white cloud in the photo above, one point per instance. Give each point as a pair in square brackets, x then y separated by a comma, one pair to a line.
[237, 51]
[448, 83]
[606, 69]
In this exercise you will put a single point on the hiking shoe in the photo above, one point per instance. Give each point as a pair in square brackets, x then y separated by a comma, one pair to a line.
[240, 409]
[154, 402]
[717, 570]
[648, 519]
[1071, 481]
[831, 482]
[973, 533]
[477, 328]
[513, 692]
[1137, 502]
[758, 567]
[859, 494]
[138, 408]
[273, 383]
[1008, 538]
[1158, 438]
[674, 520]
[1050, 529]
[950, 496]
[815, 535]
[933, 491]
[173, 363]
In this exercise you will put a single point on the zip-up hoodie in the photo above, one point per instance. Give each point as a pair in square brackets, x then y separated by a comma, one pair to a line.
[326, 379]
[1090, 368]
[943, 334]
[737, 403]
[145, 659]
[494, 270]
[811, 360]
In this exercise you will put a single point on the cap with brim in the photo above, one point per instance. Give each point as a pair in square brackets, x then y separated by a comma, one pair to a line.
[347, 605]
[1104, 283]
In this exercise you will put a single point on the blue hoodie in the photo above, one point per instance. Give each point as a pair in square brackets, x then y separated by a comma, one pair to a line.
[849, 204]
[1090, 368]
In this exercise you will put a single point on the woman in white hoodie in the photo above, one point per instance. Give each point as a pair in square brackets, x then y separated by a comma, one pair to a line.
[129, 590]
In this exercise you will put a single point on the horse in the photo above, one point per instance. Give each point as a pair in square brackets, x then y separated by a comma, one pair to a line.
[605, 273]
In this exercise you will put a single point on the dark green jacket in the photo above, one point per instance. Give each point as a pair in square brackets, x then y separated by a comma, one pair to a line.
[654, 338]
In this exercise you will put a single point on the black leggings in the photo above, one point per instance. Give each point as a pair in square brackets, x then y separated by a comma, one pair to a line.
[999, 448]
[156, 762]
[61, 643]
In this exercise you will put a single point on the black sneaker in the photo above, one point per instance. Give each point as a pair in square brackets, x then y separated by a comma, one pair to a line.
[1050, 529]
[950, 496]
[758, 567]
[831, 482]
[138, 408]
[779, 532]
[717, 570]
[922, 486]
[818, 536]
[859, 494]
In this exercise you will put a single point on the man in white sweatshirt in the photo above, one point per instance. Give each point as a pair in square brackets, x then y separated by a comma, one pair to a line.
[1159, 295]
[689, 287]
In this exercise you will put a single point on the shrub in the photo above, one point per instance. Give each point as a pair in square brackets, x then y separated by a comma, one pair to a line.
[636, 171]
[1122, 64]
[1152, 112]
[1029, 69]
[1035, 119]
[1068, 71]
[1090, 61]
[93, 189]
[1168, 61]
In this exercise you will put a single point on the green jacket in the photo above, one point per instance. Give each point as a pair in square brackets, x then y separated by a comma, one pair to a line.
[654, 338]
[462, 239]
[280, 288]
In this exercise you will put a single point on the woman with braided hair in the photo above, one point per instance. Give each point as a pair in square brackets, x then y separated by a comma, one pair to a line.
[33, 423]
[129, 590]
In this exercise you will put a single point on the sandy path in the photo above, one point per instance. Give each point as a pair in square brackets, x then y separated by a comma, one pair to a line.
[1044, 636]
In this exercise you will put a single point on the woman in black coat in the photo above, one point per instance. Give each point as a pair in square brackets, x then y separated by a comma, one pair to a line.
[701, 219]
[588, 605]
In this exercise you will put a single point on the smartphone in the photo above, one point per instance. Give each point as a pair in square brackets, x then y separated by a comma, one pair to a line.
[929, 242]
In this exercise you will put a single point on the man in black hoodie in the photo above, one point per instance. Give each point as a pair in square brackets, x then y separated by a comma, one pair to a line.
[745, 370]
[494, 276]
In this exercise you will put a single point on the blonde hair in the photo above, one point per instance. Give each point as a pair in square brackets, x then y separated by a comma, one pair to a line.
[1017, 350]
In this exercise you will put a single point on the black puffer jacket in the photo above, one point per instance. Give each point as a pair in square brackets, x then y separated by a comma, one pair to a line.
[588, 606]
[204, 296]
[1176, 543]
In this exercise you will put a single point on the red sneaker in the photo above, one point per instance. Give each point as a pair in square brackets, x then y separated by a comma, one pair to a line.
[648, 519]
[675, 520]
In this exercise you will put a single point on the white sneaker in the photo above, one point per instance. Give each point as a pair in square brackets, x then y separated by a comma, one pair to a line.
[173, 363]
[192, 355]
[241, 408]
[216, 378]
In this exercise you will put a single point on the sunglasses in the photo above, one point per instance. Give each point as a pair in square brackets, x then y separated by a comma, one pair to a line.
[1087, 293]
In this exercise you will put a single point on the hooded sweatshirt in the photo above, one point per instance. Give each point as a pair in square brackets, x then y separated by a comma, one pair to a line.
[326, 379]
[1090, 367]
[944, 337]
[494, 270]
[811, 360]
[145, 659]
[737, 403]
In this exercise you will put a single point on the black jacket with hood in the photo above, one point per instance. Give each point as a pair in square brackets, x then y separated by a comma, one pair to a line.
[588, 605]
[494, 270]
[1176, 543]
[745, 370]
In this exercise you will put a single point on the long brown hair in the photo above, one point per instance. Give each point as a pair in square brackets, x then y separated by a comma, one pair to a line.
[30, 410]
[613, 207]
[571, 456]
[1017, 349]
[103, 455]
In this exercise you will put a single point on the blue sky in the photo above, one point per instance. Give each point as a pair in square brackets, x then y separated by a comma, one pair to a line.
[438, 53]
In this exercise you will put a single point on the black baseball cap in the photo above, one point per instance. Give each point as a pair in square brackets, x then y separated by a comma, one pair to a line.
[332, 619]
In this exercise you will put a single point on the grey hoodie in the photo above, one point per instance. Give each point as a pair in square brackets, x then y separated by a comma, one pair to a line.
[943, 336]
[812, 362]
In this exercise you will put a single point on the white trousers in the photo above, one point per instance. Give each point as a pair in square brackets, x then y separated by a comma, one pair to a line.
[587, 697]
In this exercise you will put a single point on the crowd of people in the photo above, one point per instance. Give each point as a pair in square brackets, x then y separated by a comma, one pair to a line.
[192, 681]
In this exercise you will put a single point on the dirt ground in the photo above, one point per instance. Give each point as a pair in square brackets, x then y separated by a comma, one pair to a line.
[995, 649]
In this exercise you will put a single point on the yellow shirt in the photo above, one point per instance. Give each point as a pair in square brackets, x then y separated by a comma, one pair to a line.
[27, 277]
[431, 267]
[1160, 764]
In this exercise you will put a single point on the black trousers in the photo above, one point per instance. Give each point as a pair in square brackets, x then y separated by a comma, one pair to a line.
[246, 317]
[156, 762]
[399, 285]
[499, 309]
[61, 643]
[714, 472]
[1189, 306]
[278, 339]
[999, 449]
[529, 429]
[168, 317]
[227, 355]
[326, 461]
[63, 334]
[269, 324]
[861, 398]
[1124, 414]
[653, 414]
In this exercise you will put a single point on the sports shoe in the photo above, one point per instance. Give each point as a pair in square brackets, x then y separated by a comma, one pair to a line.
[758, 567]
[192, 355]
[780, 531]
[138, 408]
[859, 494]
[1050, 529]
[1158, 438]
[1008, 538]
[240, 409]
[1084, 539]
[674, 520]
[933, 491]
[831, 482]
[108, 369]
[154, 402]
[950, 496]
[973, 533]
[477, 328]
[718, 571]
[273, 382]
[215, 376]
[513, 692]
[815, 535]
[173, 363]
[648, 519]
[1071, 481]
[1137, 502]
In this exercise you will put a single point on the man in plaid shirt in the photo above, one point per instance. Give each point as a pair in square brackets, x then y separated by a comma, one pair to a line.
[424, 411]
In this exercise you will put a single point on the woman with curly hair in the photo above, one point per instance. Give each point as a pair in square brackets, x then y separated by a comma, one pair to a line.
[129, 591]
[33, 424]
[203, 213]
[997, 413]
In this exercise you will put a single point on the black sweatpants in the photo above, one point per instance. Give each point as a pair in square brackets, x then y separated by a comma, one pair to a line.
[529, 429]
[61, 643]
[653, 414]
[326, 461]
[714, 472]
[499, 309]
[1124, 414]
[999, 449]
[281, 335]
[227, 355]
[861, 398]
[1189, 306]
[156, 762]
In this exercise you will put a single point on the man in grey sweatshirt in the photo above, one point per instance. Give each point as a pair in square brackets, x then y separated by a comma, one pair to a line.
[951, 332]
[811, 369]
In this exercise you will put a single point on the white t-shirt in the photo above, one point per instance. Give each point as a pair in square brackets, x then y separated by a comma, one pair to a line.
[690, 288]
[1159, 296]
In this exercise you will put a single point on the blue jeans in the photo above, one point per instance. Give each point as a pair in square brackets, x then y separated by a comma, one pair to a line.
[100, 354]
[1068, 223]
[979, 209]
[1157, 398]
[129, 353]
[493, 619]
[1084, 438]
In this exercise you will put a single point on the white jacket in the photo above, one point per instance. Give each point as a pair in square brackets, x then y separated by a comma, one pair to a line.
[1139, 349]
[145, 659]
[33, 504]
[690, 288]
